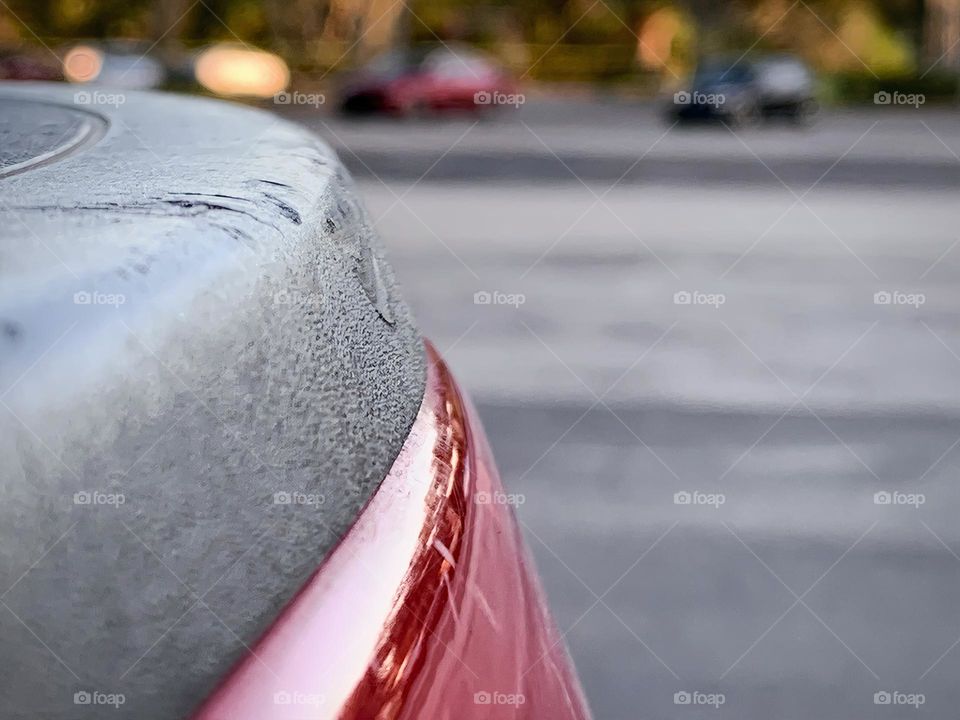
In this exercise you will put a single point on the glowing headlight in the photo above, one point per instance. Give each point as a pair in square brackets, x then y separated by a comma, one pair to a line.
[82, 64]
[232, 70]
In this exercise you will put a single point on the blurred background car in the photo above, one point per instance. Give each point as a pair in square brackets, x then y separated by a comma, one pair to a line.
[19, 66]
[440, 79]
[744, 90]
[117, 64]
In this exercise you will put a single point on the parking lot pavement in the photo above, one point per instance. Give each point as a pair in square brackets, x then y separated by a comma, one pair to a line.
[730, 407]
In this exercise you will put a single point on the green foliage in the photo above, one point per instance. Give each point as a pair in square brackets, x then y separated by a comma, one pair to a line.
[579, 40]
[860, 87]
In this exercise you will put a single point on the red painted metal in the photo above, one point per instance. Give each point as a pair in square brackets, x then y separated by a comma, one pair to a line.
[428, 608]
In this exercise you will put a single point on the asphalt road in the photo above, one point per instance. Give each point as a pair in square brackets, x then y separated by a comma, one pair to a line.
[783, 396]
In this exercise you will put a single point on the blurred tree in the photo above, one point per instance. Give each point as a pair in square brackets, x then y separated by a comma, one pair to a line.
[296, 25]
[368, 26]
[886, 35]
[941, 34]
[53, 19]
[167, 18]
[666, 42]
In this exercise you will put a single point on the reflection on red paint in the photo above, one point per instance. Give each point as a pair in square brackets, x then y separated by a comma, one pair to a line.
[428, 608]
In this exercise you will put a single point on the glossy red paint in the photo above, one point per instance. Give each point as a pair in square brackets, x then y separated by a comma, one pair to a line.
[445, 79]
[429, 607]
[438, 92]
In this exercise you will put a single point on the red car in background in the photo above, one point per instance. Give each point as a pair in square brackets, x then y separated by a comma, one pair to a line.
[445, 78]
[25, 67]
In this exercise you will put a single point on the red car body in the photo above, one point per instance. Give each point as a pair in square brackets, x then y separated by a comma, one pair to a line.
[408, 595]
[428, 608]
[443, 80]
